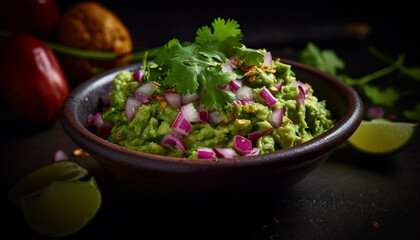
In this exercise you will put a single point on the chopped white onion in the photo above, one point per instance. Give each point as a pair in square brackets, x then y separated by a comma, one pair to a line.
[276, 117]
[216, 117]
[190, 113]
[244, 93]
[227, 67]
[268, 58]
[147, 89]
[189, 98]
[173, 99]
[131, 106]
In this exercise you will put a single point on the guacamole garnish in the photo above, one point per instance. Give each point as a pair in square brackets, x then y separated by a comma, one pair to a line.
[214, 94]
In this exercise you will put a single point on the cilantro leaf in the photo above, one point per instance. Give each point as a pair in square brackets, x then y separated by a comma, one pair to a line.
[212, 96]
[249, 56]
[414, 114]
[223, 30]
[324, 60]
[386, 97]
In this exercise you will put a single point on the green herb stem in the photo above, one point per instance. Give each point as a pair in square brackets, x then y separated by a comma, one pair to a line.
[58, 48]
[378, 74]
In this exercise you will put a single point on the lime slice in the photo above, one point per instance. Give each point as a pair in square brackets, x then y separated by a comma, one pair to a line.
[35, 182]
[63, 208]
[382, 137]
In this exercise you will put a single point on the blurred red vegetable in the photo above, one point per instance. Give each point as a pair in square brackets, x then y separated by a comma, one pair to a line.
[31, 78]
[38, 17]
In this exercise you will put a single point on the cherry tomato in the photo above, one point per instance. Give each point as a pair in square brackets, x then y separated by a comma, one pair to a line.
[31, 78]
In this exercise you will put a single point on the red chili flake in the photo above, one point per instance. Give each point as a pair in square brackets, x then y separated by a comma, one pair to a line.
[375, 224]
[264, 227]
[392, 117]
[276, 220]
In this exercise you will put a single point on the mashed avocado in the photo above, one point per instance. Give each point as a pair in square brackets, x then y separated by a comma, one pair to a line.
[211, 98]
[155, 118]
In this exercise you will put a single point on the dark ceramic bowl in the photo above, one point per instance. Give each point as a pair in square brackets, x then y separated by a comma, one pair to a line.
[240, 178]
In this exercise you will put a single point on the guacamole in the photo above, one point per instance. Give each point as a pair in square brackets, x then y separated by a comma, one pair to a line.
[213, 98]
[146, 128]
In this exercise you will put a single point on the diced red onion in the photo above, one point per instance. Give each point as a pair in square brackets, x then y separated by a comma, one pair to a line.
[173, 141]
[375, 112]
[142, 98]
[189, 98]
[226, 87]
[131, 106]
[255, 135]
[242, 144]
[178, 135]
[232, 60]
[253, 152]
[227, 67]
[103, 128]
[276, 117]
[238, 102]
[204, 115]
[244, 101]
[146, 89]
[180, 124]
[244, 93]
[216, 117]
[90, 120]
[268, 97]
[279, 85]
[59, 155]
[235, 84]
[301, 97]
[206, 153]
[190, 113]
[104, 98]
[305, 87]
[138, 75]
[225, 152]
[173, 99]
[267, 58]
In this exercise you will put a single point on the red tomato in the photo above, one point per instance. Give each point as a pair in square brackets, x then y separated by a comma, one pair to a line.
[32, 80]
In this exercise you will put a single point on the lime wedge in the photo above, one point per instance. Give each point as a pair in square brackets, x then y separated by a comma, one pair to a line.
[63, 208]
[382, 137]
[35, 182]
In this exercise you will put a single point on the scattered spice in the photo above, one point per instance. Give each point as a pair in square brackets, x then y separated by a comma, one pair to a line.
[276, 220]
[80, 153]
[375, 224]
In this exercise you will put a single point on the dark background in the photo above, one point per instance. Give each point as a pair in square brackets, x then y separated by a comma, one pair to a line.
[340, 200]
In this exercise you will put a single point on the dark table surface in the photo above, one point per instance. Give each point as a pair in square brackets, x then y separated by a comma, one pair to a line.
[350, 196]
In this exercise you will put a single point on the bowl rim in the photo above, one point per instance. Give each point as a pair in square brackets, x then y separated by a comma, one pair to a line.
[320, 145]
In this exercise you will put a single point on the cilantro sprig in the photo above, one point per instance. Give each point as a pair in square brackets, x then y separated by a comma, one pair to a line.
[196, 67]
[327, 60]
